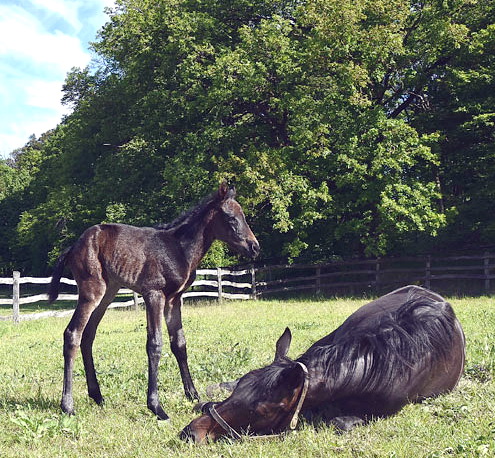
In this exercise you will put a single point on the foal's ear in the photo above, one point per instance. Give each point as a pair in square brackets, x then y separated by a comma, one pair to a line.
[225, 191]
[283, 344]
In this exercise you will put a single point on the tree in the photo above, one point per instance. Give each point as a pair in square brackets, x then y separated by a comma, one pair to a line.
[332, 117]
[461, 111]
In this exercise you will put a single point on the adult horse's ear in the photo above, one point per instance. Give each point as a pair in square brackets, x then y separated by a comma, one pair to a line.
[292, 377]
[283, 344]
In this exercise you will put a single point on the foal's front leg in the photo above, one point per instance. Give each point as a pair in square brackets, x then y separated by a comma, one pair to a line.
[173, 318]
[155, 303]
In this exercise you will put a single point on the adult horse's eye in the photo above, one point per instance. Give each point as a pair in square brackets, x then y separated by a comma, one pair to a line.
[261, 409]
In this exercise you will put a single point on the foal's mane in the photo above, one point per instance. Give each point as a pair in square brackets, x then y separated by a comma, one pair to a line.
[191, 216]
[390, 345]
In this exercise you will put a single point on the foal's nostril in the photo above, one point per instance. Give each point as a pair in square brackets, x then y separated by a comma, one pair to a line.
[254, 248]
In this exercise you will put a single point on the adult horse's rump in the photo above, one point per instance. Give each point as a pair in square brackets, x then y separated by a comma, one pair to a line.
[159, 263]
[400, 348]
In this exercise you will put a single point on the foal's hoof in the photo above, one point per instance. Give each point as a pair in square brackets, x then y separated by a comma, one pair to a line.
[100, 400]
[69, 412]
[67, 408]
[160, 414]
[192, 395]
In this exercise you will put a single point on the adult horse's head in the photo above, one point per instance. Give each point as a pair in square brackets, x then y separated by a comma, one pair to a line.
[230, 224]
[265, 401]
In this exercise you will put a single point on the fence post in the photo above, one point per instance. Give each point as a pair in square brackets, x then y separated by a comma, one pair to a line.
[16, 294]
[253, 283]
[219, 282]
[486, 270]
[428, 272]
[135, 297]
[318, 280]
[377, 274]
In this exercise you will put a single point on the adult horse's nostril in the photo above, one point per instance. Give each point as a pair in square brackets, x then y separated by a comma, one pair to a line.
[187, 434]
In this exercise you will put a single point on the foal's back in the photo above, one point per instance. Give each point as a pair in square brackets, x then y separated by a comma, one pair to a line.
[135, 257]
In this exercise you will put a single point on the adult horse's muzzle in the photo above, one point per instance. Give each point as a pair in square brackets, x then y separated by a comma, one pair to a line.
[188, 435]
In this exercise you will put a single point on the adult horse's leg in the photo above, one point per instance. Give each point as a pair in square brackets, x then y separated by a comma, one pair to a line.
[90, 294]
[88, 338]
[173, 318]
[155, 304]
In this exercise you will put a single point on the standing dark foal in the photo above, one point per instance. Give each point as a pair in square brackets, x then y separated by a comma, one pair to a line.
[159, 263]
[400, 348]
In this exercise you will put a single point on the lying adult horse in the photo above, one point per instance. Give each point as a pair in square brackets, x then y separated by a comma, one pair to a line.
[159, 263]
[400, 348]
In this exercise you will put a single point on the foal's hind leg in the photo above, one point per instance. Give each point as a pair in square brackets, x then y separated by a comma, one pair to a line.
[89, 295]
[88, 338]
[173, 317]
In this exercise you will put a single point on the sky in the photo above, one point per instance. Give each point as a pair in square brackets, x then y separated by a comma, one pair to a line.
[40, 42]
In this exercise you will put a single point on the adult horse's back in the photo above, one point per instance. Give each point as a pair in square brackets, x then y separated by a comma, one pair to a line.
[400, 348]
[159, 263]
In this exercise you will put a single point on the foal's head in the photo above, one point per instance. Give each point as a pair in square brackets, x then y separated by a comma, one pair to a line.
[263, 402]
[230, 224]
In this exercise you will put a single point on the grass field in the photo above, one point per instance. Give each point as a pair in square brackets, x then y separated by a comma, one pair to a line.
[224, 341]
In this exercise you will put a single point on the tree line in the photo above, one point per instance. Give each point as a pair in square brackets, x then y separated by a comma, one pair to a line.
[350, 128]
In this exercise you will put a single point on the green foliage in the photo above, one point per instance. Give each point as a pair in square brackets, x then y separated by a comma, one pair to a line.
[350, 128]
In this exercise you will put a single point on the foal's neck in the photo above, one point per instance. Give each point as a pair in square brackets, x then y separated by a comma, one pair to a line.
[196, 241]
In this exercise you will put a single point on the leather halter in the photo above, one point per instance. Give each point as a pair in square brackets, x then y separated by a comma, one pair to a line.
[292, 425]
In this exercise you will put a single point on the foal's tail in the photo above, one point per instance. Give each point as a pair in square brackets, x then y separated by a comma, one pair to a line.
[56, 276]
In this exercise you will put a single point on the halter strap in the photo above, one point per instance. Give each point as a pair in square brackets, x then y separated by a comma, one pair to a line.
[295, 417]
[302, 397]
[217, 417]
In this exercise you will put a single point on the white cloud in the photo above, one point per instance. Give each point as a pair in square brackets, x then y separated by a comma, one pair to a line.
[40, 42]
[23, 38]
[41, 94]
[64, 8]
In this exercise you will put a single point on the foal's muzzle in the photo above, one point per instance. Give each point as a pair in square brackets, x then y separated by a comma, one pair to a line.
[253, 248]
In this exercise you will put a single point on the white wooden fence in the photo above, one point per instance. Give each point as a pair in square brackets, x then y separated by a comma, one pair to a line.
[450, 275]
[211, 283]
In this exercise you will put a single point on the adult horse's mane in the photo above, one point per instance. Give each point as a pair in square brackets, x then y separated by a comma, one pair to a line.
[388, 347]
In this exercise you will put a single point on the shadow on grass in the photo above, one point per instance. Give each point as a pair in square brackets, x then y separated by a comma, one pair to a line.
[39, 403]
[42, 306]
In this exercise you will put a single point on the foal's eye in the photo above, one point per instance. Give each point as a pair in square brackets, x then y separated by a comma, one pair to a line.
[231, 219]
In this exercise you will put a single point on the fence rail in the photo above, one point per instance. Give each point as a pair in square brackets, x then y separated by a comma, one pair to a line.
[474, 274]
[218, 287]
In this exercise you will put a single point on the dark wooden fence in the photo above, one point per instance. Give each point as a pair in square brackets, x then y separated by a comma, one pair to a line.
[449, 275]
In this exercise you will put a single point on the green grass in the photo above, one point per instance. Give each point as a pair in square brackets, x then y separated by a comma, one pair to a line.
[224, 342]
